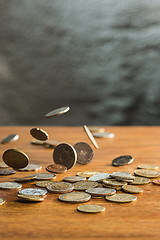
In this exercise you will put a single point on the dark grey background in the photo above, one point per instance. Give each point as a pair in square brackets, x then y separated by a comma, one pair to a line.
[100, 57]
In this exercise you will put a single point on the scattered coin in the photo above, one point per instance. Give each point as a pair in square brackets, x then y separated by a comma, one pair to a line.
[91, 208]
[10, 185]
[132, 189]
[113, 183]
[90, 136]
[37, 142]
[122, 160]
[120, 174]
[31, 198]
[57, 112]
[140, 181]
[25, 179]
[56, 168]
[148, 166]
[45, 176]
[87, 174]
[147, 173]
[101, 191]
[51, 143]
[65, 154]
[75, 197]
[5, 172]
[3, 165]
[73, 179]
[103, 135]
[99, 177]
[121, 198]
[33, 191]
[84, 185]
[156, 182]
[30, 167]
[39, 134]
[10, 138]
[123, 177]
[1, 201]
[60, 187]
[15, 158]
[96, 129]
[84, 152]
[43, 183]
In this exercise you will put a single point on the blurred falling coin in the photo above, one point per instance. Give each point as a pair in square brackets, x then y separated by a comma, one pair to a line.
[31, 198]
[10, 138]
[60, 187]
[99, 177]
[91, 208]
[122, 160]
[57, 112]
[56, 168]
[87, 174]
[30, 167]
[5, 172]
[45, 176]
[43, 183]
[75, 197]
[140, 181]
[84, 185]
[10, 185]
[1, 201]
[25, 179]
[90, 136]
[121, 198]
[39, 134]
[15, 158]
[96, 129]
[101, 191]
[3, 165]
[156, 182]
[148, 166]
[132, 189]
[103, 135]
[33, 191]
[73, 179]
[84, 152]
[147, 173]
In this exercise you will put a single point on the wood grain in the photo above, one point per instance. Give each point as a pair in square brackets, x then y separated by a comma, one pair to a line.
[52, 219]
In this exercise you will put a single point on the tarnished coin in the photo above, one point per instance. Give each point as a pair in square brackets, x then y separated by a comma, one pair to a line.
[33, 191]
[156, 182]
[113, 183]
[121, 198]
[101, 191]
[148, 166]
[30, 167]
[3, 165]
[1, 201]
[91, 208]
[84, 185]
[87, 174]
[25, 179]
[122, 160]
[39, 134]
[15, 158]
[31, 198]
[99, 177]
[43, 183]
[132, 189]
[96, 129]
[56, 168]
[75, 197]
[10, 138]
[147, 173]
[10, 185]
[84, 152]
[45, 176]
[51, 143]
[103, 135]
[60, 187]
[57, 112]
[64, 154]
[140, 181]
[5, 172]
[73, 179]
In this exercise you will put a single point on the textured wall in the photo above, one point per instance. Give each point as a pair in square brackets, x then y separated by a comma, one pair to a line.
[100, 57]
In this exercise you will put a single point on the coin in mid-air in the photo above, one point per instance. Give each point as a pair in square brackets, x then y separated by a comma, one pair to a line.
[101, 191]
[73, 179]
[122, 160]
[39, 134]
[156, 182]
[10, 185]
[43, 183]
[15, 158]
[132, 189]
[65, 154]
[103, 135]
[121, 198]
[91, 208]
[75, 197]
[148, 166]
[30, 167]
[31, 198]
[5, 172]
[60, 187]
[57, 112]
[1, 201]
[33, 191]
[140, 181]
[99, 177]
[10, 138]
[87, 174]
[25, 179]
[45, 176]
[147, 173]
[56, 168]
[3, 165]
[84, 152]
[84, 185]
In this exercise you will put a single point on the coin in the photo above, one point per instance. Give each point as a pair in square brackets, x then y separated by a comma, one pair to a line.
[156, 182]
[1, 201]
[51, 143]
[45, 176]
[43, 183]
[60, 187]
[121, 198]
[33, 191]
[5, 172]
[103, 135]
[140, 181]
[90, 136]
[57, 112]
[10, 138]
[96, 129]
[120, 174]
[91, 208]
[132, 189]
[122, 160]
[101, 191]
[147, 173]
[30, 167]
[84, 152]
[65, 154]
[31, 198]
[84, 185]
[56, 168]
[15, 158]
[73, 179]
[148, 166]
[3, 165]
[87, 174]
[37, 142]
[10, 185]
[113, 183]
[75, 197]
[25, 179]
[39, 134]
[99, 177]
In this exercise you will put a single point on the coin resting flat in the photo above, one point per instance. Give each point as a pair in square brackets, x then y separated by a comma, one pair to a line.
[91, 208]
[15, 158]
[101, 191]
[73, 179]
[10, 185]
[30, 167]
[83, 185]
[75, 197]
[147, 173]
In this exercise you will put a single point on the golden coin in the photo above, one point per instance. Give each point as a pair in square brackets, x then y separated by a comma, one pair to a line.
[87, 174]
[84, 185]
[121, 198]
[148, 166]
[101, 191]
[31, 198]
[3, 165]
[57, 112]
[1, 201]
[39, 134]
[91, 208]
[56, 168]
[75, 197]
[156, 182]
[96, 129]
[147, 173]
[73, 179]
[10, 185]
[112, 182]
[132, 189]
[30, 167]
[15, 158]
[25, 179]
[60, 187]
[84, 152]
[140, 181]
[42, 183]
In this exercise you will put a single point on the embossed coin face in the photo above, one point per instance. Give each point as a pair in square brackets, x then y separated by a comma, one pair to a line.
[121, 198]
[91, 208]
[43, 183]
[56, 168]
[75, 197]
[132, 189]
[60, 187]
[96, 129]
[84, 152]
[147, 173]
[57, 112]
[5, 172]
[15, 158]
[156, 182]
[30, 167]
[33, 191]
[87, 174]
[101, 191]
[148, 166]
[10, 185]
[39, 134]
[10, 138]
[122, 160]
[45, 176]
[3, 165]
[1, 201]
[103, 135]
[84, 185]
[25, 179]
[99, 177]
[31, 198]
[73, 179]
[140, 181]
[64, 154]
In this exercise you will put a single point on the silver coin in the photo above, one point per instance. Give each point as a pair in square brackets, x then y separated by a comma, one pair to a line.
[122, 177]
[60, 187]
[75, 197]
[57, 112]
[99, 177]
[30, 167]
[101, 191]
[120, 174]
[84, 185]
[103, 135]
[91, 208]
[73, 179]
[42, 183]
[140, 181]
[10, 138]
[122, 160]
[1, 201]
[45, 176]
[33, 191]
[10, 185]
[30, 198]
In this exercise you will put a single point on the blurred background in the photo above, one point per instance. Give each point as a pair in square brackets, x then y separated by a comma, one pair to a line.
[100, 57]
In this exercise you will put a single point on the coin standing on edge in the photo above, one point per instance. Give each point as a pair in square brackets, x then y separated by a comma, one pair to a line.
[132, 189]
[73, 179]
[25, 179]
[84, 185]
[75, 197]
[3, 165]
[60, 187]
[96, 129]
[31, 198]
[15, 158]
[121, 198]
[56, 168]
[2, 201]
[122, 160]
[84, 152]
[10, 138]
[5, 172]
[10, 185]
[91, 208]
[147, 173]
[33, 191]
[39, 134]
[30, 167]
[57, 112]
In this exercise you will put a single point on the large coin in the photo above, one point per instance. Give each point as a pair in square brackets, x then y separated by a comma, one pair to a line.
[73, 179]
[57, 112]
[148, 166]
[25, 179]
[3, 165]
[84, 185]
[65, 154]
[132, 189]
[122, 160]
[15, 158]
[39, 134]
[121, 198]
[56, 168]
[5, 172]
[101, 191]
[147, 173]
[45, 176]
[91, 208]
[30, 167]
[103, 135]
[140, 181]
[99, 177]
[1, 201]
[87, 174]
[84, 152]
[10, 185]
[156, 182]
[31, 198]
[33, 191]
[75, 197]
[43, 183]
[60, 187]
[10, 138]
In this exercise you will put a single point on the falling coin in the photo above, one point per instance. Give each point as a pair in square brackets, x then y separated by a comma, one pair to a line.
[101, 191]
[60, 187]
[99, 177]
[57, 112]
[10, 185]
[103, 135]
[132, 189]
[5, 172]
[156, 182]
[87, 174]
[90, 136]
[121, 198]
[43, 183]
[73, 179]
[45, 176]
[75, 197]
[147, 173]
[10, 138]
[140, 181]
[3, 165]
[56, 168]
[84, 152]
[39, 134]
[122, 177]
[148, 166]
[96, 129]
[33, 191]
[84, 185]
[25, 179]
[30, 167]
[122, 160]
[91, 208]
[1, 201]
[31, 198]
[15, 158]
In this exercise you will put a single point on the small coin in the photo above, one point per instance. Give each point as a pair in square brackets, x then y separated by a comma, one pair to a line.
[84, 152]
[90, 136]
[87, 174]
[5, 172]
[30, 167]
[147, 173]
[3, 165]
[121, 198]
[43, 183]
[101, 191]
[31, 198]
[91, 208]
[122, 177]
[39, 134]
[113, 183]
[45, 176]
[103, 135]
[60, 187]
[84, 185]
[99, 177]
[96, 129]
[33, 191]
[75, 197]
[56, 168]
[73, 179]
[57, 112]
[122, 160]
[10, 185]
[148, 166]
[37, 142]
[1, 201]
[140, 181]
[120, 174]
[15, 158]
[132, 189]
[156, 182]
[65, 155]
[10, 138]
[25, 179]
[51, 143]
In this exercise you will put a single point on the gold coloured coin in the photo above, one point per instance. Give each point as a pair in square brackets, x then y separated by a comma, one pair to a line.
[91, 208]
[39, 134]
[57, 112]
[42, 183]
[10, 185]
[101, 191]
[132, 189]
[84, 185]
[147, 173]
[3, 165]
[140, 181]
[84, 152]
[87, 174]
[15, 158]
[30, 167]
[60, 187]
[75, 197]
[1, 201]
[148, 166]
[73, 179]
[37, 142]
[121, 198]
[31, 198]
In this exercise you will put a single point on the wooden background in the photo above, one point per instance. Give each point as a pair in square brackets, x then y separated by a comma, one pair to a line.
[52, 219]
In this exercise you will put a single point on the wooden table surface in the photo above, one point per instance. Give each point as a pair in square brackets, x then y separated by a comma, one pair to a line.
[52, 219]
